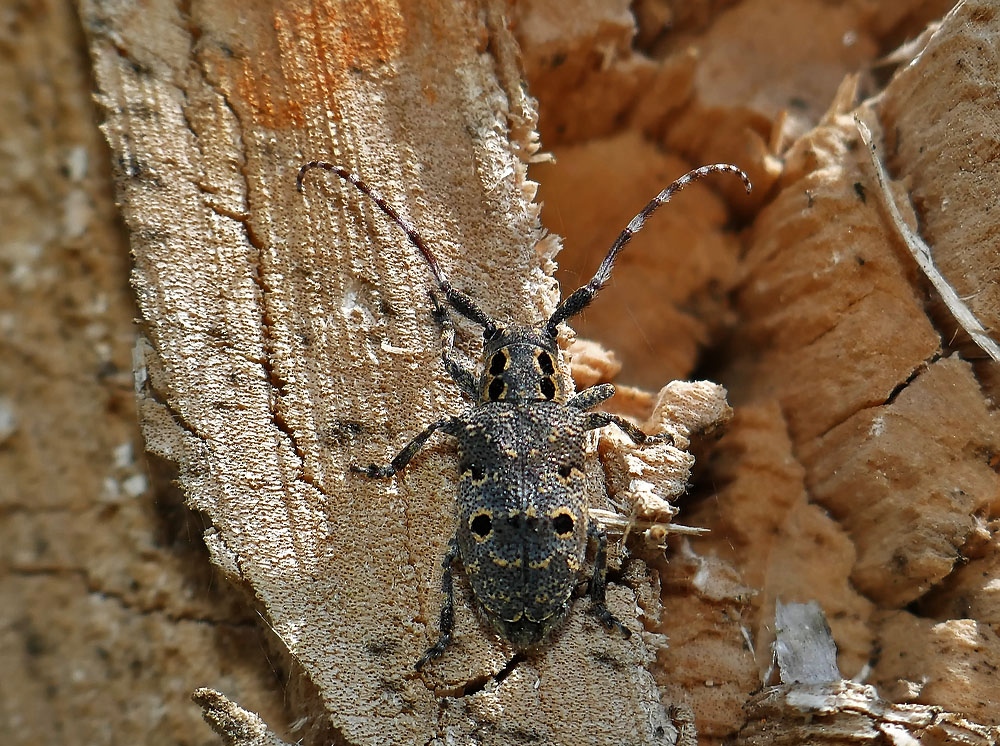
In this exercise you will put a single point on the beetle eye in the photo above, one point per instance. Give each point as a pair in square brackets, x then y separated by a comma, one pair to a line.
[563, 524]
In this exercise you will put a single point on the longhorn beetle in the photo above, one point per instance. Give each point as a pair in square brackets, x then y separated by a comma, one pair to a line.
[523, 527]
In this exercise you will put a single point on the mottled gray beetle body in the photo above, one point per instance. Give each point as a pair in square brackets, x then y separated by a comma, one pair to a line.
[522, 530]
[522, 512]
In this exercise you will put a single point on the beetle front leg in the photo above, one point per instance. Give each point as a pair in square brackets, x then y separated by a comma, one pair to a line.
[600, 419]
[447, 609]
[457, 368]
[403, 457]
[599, 584]
[591, 397]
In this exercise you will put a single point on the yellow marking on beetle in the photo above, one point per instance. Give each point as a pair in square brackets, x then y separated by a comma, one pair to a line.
[571, 474]
[573, 563]
[541, 598]
[501, 562]
[548, 369]
[541, 564]
[531, 512]
[510, 452]
[467, 476]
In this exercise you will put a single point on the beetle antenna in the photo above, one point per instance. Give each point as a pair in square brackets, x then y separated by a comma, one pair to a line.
[582, 297]
[456, 299]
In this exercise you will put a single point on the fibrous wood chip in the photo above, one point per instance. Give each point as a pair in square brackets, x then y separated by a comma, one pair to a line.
[924, 258]
[844, 712]
[939, 119]
[236, 726]
[787, 548]
[895, 433]
[949, 662]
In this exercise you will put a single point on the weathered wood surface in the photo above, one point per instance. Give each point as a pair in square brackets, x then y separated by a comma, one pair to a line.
[283, 336]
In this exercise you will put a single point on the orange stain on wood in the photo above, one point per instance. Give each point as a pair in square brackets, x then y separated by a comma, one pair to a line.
[270, 108]
[319, 47]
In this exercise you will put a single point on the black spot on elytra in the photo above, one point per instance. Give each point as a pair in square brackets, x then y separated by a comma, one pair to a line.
[496, 389]
[545, 363]
[481, 525]
[563, 524]
[474, 469]
[548, 388]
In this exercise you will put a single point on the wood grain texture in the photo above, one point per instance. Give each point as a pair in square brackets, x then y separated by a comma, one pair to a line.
[109, 610]
[284, 336]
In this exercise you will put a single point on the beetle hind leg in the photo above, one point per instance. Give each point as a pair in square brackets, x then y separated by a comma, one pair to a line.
[447, 623]
[599, 584]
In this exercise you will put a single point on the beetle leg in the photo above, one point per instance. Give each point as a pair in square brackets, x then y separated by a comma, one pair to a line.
[403, 457]
[599, 584]
[457, 368]
[447, 609]
[591, 397]
[600, 419]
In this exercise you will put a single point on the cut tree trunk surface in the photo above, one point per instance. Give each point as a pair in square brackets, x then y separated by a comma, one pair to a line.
[284, 336]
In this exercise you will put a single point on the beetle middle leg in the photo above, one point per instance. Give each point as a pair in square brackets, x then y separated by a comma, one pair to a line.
[375, 471]
[600, 419]
[600, 393]
[591, 397]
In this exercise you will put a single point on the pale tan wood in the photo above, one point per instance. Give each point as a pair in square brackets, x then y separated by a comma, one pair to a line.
[286, 336]
[109, 611]
[834, 482]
